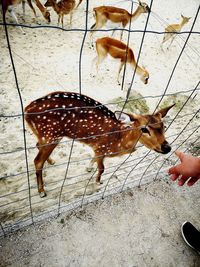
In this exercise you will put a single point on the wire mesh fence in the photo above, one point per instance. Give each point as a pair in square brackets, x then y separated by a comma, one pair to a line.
[67, 182]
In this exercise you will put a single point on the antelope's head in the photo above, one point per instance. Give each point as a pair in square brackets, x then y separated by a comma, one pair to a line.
[144, 8]
[144, 76]
[47, 15]
[185, 19]
[151, 129]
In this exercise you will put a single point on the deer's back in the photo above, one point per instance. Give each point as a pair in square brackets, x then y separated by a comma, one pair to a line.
[70, 114]
[66, 5]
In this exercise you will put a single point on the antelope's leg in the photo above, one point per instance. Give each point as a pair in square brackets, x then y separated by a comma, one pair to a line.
[172, 39]
[49, 160]
[62, 16]
[31, 6]
[23, 7]
[100, 165]
[122, 31]
[101, 53]
[120, 68]
[42, 156]
[70, 18]
[59, 19]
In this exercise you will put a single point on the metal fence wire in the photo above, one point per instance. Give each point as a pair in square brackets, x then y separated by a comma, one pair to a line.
[20, 204]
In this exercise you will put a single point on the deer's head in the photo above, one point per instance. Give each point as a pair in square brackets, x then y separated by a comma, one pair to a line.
[185, 19]
[47, 15]
[144, 8]
[144, 76]
[151, 129]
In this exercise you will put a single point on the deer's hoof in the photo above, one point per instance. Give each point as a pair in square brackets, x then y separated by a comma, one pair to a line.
[51, 161]
[89, 169]
[99, 182]
[43, 194]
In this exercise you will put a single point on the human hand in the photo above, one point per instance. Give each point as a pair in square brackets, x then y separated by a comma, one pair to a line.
[188, 170]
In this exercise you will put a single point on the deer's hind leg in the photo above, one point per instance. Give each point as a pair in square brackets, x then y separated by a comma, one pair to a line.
[101, 55]
[100, 166]
[42, 156]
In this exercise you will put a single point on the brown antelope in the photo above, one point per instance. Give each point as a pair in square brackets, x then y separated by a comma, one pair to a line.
[62, 8]
[117, 15]
[108, 46]
[79, 117]
[8, 5]
[171, 30]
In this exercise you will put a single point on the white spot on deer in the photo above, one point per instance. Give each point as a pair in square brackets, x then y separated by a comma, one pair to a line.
[54, 123]
[40, 108]
[62, 118]
[49, 96]
[73, 115]
[44, 117]
[63, 106]
[38, 116]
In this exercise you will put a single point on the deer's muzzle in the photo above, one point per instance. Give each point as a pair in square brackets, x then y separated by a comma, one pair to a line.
[165, 148]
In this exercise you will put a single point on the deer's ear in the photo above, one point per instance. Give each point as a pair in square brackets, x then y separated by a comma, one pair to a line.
[163, 112]
[125, 117]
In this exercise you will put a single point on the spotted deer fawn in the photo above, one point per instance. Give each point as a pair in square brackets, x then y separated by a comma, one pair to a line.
[8, 5]
[108, 46]
[79, 117]
[117, 15]
[171, 30]
[62, 8]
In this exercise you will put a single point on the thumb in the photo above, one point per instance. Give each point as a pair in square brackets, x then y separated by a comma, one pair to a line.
[180, 155]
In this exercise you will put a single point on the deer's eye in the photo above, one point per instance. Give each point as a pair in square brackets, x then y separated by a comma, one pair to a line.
[145, 130]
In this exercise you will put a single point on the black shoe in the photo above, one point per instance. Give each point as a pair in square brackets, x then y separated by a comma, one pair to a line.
[191, 236]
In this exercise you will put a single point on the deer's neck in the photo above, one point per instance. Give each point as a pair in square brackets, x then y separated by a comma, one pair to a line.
[40, 6]
[140, 71]
[129, 139]
[182, 24]
[135, 14]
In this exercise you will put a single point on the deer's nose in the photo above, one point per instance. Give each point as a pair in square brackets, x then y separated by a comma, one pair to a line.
[166, 148]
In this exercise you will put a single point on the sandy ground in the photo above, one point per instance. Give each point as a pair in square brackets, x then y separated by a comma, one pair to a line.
[47, 60]
[140, 227]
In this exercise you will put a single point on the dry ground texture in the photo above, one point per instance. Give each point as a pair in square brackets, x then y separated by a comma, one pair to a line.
[46, 60]
[140, 227]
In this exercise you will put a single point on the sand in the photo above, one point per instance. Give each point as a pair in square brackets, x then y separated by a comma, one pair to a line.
[46, 60]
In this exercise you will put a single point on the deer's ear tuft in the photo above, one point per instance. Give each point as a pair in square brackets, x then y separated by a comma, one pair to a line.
[123, 117]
